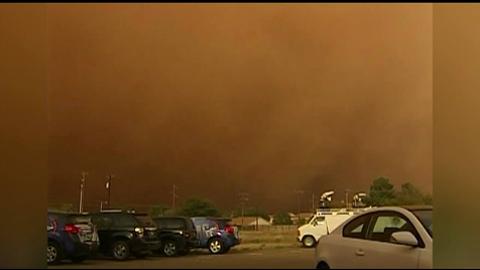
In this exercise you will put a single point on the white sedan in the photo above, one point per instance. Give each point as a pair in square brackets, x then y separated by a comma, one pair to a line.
[384, 237]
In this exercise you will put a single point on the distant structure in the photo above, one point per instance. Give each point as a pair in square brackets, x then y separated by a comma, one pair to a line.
[250, 221]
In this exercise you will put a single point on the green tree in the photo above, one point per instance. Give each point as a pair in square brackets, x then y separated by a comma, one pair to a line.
[410, 195]
[198, 207]
[301, 221]
[381, 193]
[158, 210]
[282, 218]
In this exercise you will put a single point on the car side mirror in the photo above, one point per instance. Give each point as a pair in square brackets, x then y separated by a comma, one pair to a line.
[404, 238]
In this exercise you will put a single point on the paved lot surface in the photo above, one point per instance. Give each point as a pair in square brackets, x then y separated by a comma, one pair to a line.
[271, 258]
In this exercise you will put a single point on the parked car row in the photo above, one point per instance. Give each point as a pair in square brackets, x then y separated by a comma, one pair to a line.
[122, 234]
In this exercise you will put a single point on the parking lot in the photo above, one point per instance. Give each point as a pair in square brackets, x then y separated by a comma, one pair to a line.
[268, 258]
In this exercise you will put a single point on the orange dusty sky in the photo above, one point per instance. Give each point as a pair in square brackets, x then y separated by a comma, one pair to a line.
[224, 98]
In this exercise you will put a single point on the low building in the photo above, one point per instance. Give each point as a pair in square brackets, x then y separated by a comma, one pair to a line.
[250, 221]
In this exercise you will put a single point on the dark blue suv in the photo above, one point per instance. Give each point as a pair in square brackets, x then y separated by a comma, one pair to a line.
[216, 234]
[69, 238]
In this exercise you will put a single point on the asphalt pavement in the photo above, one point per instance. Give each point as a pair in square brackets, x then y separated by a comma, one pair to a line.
[284, 258]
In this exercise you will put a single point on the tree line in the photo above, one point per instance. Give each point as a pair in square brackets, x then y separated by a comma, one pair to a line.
[381, 193]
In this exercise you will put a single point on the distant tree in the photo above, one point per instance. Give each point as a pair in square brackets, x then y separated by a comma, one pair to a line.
[282, 218]
[158, 210]
[301, 221]
[62, 207]
[381, 193]
[198, 207]
[428, 199]
[410, 195]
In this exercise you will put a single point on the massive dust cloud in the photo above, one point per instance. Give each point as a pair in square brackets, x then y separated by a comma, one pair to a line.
[220, 99]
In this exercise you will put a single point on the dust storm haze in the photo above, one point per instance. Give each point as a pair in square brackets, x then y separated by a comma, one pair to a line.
[219, 99]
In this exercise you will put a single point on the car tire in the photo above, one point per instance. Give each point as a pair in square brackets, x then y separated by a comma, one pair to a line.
[54, 253]
[308, 241]
[323, 265]
[170, 248]
[216, 245]
[120, 250]
[79, 259]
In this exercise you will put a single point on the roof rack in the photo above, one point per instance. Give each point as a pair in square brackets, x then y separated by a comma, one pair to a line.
[111, 211]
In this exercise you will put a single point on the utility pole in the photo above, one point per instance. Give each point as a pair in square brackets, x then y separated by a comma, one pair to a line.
[244, 196]
[174, 196]
[299, 194]
[82, 190]
[346, 198]
[108, 186]
[313, 202]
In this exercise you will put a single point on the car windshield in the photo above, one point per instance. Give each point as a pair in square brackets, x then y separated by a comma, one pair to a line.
[425, 217]
[145, 220]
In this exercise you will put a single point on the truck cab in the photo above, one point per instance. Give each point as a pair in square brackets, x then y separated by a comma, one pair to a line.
[322, 223]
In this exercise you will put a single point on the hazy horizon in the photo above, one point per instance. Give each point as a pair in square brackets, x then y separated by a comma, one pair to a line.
[222, 99]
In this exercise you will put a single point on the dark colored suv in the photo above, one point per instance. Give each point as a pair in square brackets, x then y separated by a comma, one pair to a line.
[177, 235]
[70, 236]
[122, 235]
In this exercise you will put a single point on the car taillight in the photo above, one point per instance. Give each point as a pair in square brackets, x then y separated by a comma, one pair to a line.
[229, 229]
[70, 228]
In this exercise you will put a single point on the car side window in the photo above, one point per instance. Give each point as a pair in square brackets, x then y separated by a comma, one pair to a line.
[387, 223]
[357, 228]
[124, 221]
[176, 224]
[102, 222]
[318, 221]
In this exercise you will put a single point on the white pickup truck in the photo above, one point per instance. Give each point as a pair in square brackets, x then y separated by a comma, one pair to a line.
[322, 223]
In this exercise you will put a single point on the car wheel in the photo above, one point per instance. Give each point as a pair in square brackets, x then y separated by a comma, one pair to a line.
[53, 253]
[323, 265]
[215, 246]
[169, 248]
[120, 250]
[79, 259]
[308, 241]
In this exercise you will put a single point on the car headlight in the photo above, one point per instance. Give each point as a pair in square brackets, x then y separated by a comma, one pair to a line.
[139, 231]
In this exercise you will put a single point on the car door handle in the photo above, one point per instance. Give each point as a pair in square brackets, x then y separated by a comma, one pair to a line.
[360, 252]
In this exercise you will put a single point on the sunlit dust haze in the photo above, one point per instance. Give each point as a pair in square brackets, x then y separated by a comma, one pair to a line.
[222, 99]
